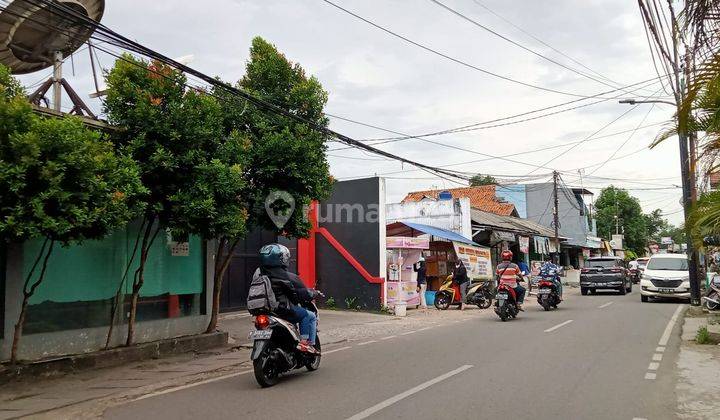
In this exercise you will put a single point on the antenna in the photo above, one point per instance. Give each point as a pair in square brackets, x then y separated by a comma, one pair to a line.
[35, 37]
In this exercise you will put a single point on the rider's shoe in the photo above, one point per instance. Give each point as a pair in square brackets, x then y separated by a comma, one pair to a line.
[520, 308]
[306, 347]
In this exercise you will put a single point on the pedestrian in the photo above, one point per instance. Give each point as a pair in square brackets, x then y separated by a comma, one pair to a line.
[421, 270]
[525, 271]
[461, 278]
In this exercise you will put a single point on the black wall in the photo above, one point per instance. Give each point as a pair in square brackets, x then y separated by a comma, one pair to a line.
[335, 276]
[236, 283]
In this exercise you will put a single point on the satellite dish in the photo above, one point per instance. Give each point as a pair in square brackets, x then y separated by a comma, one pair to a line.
[32, 36]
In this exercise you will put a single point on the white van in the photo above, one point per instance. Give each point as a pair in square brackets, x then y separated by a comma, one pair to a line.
[666, 275]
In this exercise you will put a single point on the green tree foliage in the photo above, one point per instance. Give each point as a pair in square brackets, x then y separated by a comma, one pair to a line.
[285, 154]
[480, 180]
[614, 202]
[192, 167]
[59, 181]
[655, 223]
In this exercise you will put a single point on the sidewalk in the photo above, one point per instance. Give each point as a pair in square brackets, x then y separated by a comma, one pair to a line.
[87, 394]
[698, 365]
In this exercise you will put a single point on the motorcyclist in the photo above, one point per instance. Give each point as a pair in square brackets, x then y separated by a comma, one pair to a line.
[550, 269]
[290, 293]
[509, 274]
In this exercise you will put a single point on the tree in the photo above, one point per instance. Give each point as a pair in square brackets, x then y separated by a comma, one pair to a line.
[480, 180]
[61, 182]
[284, 154]
[655, 223]
[176, 136]
[616, 205]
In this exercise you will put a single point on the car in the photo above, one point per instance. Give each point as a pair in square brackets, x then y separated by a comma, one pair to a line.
[666, 276]
[642, 263]
[605, 273]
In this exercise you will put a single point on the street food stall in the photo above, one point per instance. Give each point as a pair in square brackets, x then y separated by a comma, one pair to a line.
[401, 286]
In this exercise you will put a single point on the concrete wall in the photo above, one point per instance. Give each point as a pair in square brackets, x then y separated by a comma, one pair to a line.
[44, 345]
[453, 215]
[573, 224]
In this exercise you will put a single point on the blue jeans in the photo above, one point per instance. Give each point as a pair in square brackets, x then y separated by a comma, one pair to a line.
[307, 321]
[520, 293]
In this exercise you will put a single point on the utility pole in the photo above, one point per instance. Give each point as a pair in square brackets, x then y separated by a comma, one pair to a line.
[556, 216]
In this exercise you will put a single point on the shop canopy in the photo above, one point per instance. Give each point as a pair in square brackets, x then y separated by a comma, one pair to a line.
[416, 229]
[494, 222]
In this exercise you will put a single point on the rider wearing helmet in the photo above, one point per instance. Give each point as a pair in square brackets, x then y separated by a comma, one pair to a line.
[290, 292]
[509, 274]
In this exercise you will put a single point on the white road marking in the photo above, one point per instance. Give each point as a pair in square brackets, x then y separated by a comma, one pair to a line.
[392, 400]
[657, 357]
[639, 418]
[423, 329]
[653, 366]
[408, 332]
[650, 375]
[367, 342]
[659, 349]
[389, 337]
[605, 305]
[668, 329]
[334, 350]
[562, 324]
[233, 316]
[194, 384]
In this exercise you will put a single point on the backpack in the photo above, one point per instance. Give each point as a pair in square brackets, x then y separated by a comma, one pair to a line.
[261, 298]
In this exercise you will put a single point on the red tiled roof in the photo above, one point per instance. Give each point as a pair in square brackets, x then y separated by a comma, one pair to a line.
[482, 198]
[714, 179]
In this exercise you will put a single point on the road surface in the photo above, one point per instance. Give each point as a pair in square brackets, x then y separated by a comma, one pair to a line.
[596, 357]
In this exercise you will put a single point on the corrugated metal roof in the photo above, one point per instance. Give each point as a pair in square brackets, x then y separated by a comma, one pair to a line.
[510, 224]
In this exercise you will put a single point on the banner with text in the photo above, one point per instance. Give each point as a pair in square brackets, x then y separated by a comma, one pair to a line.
[477, 260]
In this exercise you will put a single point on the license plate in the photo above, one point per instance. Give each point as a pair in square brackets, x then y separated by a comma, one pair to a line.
[544, 291]
[502, 296]
[260, 335]
[666, 290]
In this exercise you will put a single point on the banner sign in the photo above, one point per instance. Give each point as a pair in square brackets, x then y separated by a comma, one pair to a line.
[666, 240]
[476, 259]
[403, 291]
[407, 242]
[524, 242]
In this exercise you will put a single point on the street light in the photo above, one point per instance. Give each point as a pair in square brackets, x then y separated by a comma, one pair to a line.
[635, 102]
[686, 199]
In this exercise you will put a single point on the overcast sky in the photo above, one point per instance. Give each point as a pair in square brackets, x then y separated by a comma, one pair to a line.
[378, 79]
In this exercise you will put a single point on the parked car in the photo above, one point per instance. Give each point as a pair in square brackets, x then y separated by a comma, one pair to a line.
[667, 276]
[605, 273]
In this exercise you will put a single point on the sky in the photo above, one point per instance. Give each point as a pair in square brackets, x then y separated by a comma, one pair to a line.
[377, 79]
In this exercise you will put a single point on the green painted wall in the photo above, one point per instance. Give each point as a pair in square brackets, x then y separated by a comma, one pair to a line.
[92, 271]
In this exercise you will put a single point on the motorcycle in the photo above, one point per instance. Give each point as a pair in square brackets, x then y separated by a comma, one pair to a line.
[712, 295]
[449, 294]
[275, 348]
[506, 303]
[548, 294]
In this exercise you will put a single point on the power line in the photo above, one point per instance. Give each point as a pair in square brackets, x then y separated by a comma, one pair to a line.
[450, 58]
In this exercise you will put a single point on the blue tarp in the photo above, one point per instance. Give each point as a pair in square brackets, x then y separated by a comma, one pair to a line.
[440, 233]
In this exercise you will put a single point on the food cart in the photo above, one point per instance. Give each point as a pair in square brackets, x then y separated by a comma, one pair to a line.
[401, 287]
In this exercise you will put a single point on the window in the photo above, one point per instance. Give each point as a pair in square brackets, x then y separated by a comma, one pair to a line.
[668, 264]
[604, 263]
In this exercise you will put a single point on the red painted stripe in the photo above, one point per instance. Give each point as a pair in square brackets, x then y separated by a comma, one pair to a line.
[346, 254]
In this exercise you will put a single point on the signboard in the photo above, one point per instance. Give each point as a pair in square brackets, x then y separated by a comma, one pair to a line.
[499, 236]
[477, 260]
[407, 242]
[524, 243]
[666, 240]
[404, 291]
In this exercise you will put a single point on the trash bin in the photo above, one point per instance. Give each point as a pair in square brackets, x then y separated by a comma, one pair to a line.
[430, 297]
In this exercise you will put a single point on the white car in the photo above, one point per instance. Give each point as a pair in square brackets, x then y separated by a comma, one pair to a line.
[667, 276]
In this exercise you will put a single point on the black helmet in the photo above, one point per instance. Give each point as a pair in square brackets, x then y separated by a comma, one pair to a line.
[274, 255]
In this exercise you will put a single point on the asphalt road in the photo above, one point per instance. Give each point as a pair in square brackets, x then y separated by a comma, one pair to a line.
[596, 357]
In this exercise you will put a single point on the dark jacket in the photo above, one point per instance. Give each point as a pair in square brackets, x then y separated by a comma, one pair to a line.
[288, 288]
[421, 270]
[460, 274]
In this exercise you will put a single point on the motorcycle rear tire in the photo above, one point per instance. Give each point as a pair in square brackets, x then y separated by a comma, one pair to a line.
[486, 303]
[503, 313]
[442, 301]
[545, 304]
[265, 375]
[315, 364]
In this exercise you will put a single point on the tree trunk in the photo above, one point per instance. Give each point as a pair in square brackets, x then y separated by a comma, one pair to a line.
[27, 294]
[221, 265]
[140, 277]
[119, 293]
